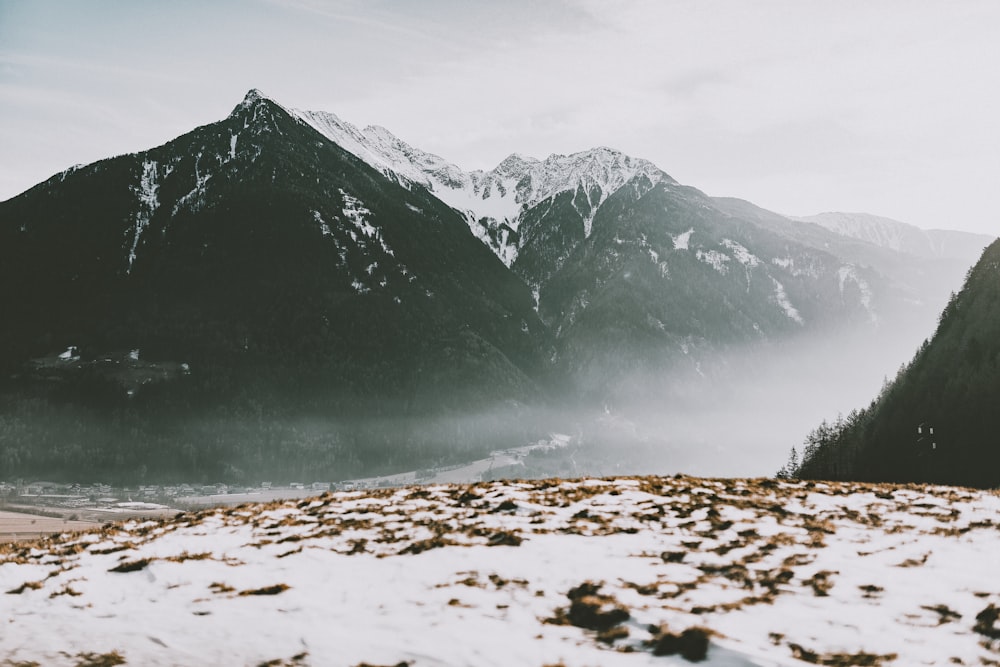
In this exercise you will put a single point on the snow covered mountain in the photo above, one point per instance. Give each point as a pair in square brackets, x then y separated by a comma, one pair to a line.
[493, 202]
[903, 237]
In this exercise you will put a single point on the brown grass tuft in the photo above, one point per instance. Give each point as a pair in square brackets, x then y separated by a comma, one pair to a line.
[692, 644]
[28, 585]
[99, 659]
[131, 565]
[267, 590]
[860, 659]
[591, 610]
[219, 587]
[294, 661]
[871, 591]
[986, 622]
[821, 583]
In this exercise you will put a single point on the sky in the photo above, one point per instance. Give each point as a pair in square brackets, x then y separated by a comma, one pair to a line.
[889, 107]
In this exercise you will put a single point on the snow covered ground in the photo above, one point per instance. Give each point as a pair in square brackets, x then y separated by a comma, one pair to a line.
[629, 571]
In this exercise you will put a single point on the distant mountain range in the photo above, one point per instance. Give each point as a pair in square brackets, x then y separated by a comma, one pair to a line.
[901, 237]
[340, 301]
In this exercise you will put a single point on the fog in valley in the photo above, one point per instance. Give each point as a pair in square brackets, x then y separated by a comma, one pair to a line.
[746, 425]
[735, 413]
[739, 417]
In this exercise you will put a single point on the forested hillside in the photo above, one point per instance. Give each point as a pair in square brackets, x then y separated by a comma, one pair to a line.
[938, 421]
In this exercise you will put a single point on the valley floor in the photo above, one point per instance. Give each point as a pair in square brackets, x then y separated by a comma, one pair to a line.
[611, 572]
[16, 526]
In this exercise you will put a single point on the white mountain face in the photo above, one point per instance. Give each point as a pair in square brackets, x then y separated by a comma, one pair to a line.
[491, 201]
[902, 237]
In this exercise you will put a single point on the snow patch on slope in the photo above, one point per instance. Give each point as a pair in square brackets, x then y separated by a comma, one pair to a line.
[194, 199]
[781, 298]
[356, 212]
[742, 255]
[715, 259]
[846, 274]
[148, 203]
[795, 268]
[324, 228]
[364, 234]
[682, 241]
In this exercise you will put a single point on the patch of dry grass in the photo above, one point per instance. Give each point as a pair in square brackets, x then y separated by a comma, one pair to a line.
[860, 659]
[266, 590]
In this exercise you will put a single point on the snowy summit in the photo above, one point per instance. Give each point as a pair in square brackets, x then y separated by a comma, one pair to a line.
[491, 201]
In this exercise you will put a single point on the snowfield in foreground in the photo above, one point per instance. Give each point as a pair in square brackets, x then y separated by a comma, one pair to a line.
[618, 572]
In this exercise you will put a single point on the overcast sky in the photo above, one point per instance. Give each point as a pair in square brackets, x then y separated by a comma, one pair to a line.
[887, 107]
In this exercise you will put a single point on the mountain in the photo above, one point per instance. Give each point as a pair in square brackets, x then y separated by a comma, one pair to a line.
[293, 281]
[673, 278]
[902, 237]
[937, 421]
[924, 281]
[492, 202]
[281, 293]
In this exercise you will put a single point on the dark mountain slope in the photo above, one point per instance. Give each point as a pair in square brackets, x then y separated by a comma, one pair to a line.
[666, 282]
[922, 282]
[291, 278]
[938, 421]
[258, 224]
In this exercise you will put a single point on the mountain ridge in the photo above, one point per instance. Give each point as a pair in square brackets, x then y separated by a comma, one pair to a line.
[492, 201]
[298, 281]
[901, 236]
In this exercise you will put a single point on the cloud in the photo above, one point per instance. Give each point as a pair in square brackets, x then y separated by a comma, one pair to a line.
[835, 93]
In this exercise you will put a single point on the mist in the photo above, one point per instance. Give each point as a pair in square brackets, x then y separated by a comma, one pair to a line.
[738, 415]
[751, 406]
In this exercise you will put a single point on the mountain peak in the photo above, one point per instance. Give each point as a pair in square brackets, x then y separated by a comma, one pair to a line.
[593, 153]
[253, 97]
[515, 161]
[493, 199]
